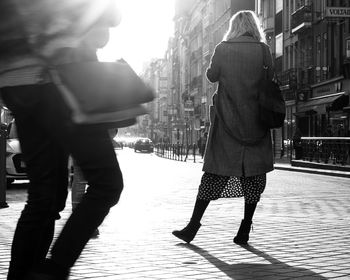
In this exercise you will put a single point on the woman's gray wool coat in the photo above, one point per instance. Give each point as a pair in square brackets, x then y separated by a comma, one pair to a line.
[237, 66]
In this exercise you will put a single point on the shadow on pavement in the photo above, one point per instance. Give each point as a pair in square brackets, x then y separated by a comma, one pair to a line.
[274, 270]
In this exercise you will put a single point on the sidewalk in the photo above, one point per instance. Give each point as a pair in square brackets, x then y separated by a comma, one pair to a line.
[283, 165]
[289, 167]
[300, 228]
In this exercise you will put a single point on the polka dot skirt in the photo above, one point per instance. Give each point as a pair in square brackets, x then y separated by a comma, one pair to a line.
[214, 186]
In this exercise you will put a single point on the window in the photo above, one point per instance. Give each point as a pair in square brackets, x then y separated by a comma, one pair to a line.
[318, 50]
[348, 48]
[318, 58]
[335, 52]
[279, 6]
[296, 55]
[259, 7]
[292, 6]
[279, 45]
[267, 8]
[286, 58]
[318, 9]
[287, 13]
[325, 49]
[325, 57]
[221, 7]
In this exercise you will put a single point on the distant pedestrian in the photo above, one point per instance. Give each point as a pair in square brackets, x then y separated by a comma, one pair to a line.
[239, 148]
[327, 144]
[201, 143]
[297, 144]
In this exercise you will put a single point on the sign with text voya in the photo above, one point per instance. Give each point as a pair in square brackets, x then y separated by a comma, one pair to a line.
[337, 11]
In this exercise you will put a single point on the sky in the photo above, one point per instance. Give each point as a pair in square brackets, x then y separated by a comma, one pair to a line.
[143, 33]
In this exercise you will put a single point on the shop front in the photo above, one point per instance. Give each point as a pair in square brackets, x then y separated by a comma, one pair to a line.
[325, 109]
[316, 114]
[323, 121]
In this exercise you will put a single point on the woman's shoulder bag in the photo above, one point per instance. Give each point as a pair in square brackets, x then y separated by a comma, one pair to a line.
[272, 107]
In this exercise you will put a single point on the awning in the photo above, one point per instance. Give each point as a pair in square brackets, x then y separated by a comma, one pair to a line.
[323, 104]
[340, 103]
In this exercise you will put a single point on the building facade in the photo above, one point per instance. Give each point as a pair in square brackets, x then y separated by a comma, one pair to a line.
[199, 26]
[309, 40]
[310, 43]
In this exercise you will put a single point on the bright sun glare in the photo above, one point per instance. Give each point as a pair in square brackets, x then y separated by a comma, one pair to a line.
[142, 34]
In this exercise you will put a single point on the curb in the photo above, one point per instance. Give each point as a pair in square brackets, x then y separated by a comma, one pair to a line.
[287, 167]
[334, 173]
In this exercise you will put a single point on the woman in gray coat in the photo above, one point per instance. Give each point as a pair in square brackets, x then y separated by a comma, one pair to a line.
[239, 149]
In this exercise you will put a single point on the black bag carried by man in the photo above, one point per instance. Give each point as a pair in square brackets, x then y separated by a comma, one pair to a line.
[271, 103]
[108, 93]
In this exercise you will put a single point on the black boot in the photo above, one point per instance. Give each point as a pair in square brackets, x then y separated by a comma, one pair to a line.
[242, 236]
[188, 233]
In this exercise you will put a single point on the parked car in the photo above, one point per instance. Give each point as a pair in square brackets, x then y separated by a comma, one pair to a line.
[144, 145]
[15, 166]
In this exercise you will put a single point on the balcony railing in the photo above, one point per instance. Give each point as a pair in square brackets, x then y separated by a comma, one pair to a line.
[289, 77]
[297, 78]
[306, 77]
[301, 19]
[327, 150]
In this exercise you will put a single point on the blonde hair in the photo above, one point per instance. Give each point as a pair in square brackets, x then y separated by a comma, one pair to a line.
[245, 22]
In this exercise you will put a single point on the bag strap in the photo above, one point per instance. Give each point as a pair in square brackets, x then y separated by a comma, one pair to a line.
[266, 53]
[265, 65]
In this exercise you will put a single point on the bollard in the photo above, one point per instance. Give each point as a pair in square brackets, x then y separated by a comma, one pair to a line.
[194, 152]
[181, 151]
[3, 136]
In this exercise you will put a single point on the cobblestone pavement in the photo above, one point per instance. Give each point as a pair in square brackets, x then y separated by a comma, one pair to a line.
[301, 228]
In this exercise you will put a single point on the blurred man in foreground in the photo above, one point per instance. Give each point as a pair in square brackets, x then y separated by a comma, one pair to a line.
[33, 34]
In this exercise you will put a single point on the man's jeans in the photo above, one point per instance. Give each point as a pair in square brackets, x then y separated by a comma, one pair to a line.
[47, 137]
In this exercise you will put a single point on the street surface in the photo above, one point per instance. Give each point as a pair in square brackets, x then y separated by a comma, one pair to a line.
[301, 228]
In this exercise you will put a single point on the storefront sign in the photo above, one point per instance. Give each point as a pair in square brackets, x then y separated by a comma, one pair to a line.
[337, 12]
